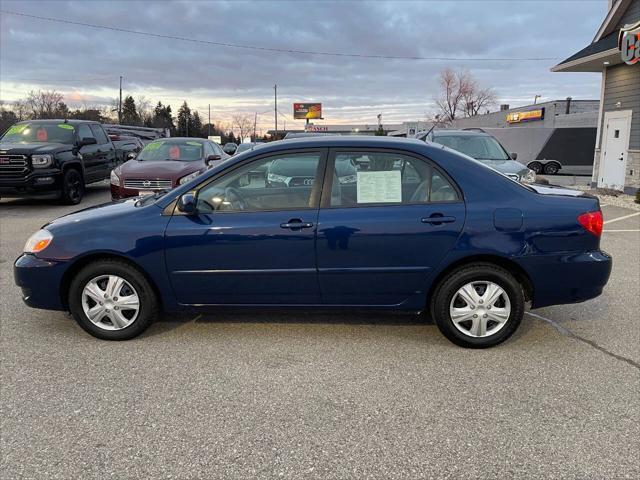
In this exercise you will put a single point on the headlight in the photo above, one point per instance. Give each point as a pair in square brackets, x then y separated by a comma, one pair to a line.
[348, 179]
[529, 177]
[188, 178]
[41, 161]
[38, 241]
[114, 178]
[275, 178]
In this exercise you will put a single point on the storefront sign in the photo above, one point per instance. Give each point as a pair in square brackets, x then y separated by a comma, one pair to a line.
[629, 43]
[519, 117]
[316, 128]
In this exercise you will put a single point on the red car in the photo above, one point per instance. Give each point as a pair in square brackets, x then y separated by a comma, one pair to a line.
[164, 164]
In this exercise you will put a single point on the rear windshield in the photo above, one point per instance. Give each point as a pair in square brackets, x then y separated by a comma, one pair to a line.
[478, 147]
[49, 132]
[186, 151]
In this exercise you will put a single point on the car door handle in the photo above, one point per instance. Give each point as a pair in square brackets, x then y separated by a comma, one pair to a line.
[437, 219]
[296, 224]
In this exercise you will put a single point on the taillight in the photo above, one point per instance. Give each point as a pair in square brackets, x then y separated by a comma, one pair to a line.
[592, 222]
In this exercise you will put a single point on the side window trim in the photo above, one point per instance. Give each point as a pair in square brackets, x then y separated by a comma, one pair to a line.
[325, 200]
[314, 198]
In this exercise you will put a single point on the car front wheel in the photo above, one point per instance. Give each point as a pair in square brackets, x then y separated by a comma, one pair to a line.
[478, 306]
[112, 300]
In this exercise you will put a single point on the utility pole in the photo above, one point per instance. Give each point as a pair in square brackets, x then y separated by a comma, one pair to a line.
[120, 103]
[275, 107]
[255, 121]
[535, 99]
[209, 119]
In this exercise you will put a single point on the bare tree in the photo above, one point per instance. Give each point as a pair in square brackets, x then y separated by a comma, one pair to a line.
[243, 125]
[460, 95]
[21, 109]
[145, 112]
[44, 104]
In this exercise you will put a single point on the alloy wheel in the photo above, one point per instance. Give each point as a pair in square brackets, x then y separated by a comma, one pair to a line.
[110, 302]
[480, 309]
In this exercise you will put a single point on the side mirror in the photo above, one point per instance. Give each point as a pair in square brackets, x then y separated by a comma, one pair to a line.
[187, 204]
[131, 155]
[88, 141]
[513, 155]
[213, 158]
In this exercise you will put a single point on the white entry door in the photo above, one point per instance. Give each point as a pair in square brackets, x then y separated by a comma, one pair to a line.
[613, 163]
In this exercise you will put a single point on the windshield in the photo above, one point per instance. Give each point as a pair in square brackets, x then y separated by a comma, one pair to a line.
[49, 132]
[479, 147]
[244, 146]
[185, 151]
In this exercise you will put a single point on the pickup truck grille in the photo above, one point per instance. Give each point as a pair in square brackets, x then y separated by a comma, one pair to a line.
[13, 166]
[161, 184]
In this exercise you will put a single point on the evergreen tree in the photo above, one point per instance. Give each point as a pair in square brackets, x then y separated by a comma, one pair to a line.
[129, 114]
[195, 129]
[185, 121]
[162, 117]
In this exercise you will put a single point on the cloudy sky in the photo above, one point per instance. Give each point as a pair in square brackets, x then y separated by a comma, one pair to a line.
[84, 63]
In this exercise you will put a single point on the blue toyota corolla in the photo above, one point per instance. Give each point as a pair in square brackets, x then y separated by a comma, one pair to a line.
[418, 227]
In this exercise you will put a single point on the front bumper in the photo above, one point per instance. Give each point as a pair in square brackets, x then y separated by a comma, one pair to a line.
[40, 182]
[570, 278]
[40, 281]
[119, 193]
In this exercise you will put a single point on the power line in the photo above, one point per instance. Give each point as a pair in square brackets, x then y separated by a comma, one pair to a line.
[277, 50]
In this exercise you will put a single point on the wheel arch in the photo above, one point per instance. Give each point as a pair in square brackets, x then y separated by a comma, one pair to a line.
[511, 266]
[85, 260]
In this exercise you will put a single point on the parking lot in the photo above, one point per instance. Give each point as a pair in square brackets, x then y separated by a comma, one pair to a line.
[332, 395]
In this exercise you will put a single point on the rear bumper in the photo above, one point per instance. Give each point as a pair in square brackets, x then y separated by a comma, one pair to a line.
[40, 281]
[570, 278]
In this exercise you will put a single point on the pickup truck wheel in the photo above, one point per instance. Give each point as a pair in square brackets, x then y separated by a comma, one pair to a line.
[72, 187]
[536, 167]
[478, 306]
[551, 168]
[112, 300]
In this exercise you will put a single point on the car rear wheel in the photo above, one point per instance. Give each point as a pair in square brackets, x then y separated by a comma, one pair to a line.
[112, 300]
[72, 187]
[478, 306]
[551, 168]
[536, 167]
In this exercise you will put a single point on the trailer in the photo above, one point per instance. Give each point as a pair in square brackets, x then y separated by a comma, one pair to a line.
[550, 150]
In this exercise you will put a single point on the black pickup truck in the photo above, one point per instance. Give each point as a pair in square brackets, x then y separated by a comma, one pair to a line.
[54, 157]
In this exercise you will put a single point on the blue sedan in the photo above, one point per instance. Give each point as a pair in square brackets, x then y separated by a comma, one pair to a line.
[421, 228]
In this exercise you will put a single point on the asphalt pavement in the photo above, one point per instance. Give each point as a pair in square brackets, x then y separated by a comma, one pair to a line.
[332, 395]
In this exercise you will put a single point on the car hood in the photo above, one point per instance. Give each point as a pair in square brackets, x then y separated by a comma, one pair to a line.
[164, 169]
[29, 148]
[506, 166]
[97, 213]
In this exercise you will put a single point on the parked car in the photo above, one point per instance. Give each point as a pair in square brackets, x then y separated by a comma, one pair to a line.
[145, 134]
[127, 147]
[243, 147]
[444, 233]
[484, 148]
[294, 172]
[54, 157]
[164, 164]
[230, 148]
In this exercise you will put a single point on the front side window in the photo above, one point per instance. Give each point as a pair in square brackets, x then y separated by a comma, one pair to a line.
[101, 137]
[282, 182]
[363, 178]
[84, 132]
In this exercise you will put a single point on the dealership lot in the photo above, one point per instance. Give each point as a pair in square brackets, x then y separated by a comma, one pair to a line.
[321, 395]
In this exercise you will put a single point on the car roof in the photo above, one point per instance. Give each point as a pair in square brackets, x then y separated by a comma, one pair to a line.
[356, 141]
[60, 120]
[183, 139]
[461, 133]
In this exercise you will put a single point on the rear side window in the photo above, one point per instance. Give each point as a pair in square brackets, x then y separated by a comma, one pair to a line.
[363, 178]
[101, 137]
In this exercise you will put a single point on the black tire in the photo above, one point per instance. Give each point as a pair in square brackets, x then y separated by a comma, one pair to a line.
[536, 167]
[72, 189]
[477, 272]
[148, 301]
[551, 168]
